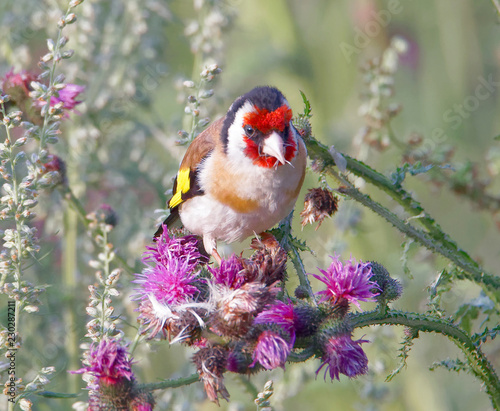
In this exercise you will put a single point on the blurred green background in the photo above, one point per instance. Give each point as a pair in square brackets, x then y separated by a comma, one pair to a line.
[121, 150]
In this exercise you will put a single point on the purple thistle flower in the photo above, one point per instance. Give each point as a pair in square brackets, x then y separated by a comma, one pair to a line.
[109, 362]
[167, 248]
[271, 350]
[171, 282]
[281, 314]
[342, 355]
[230, 273]
[349, 281]
[67, 96]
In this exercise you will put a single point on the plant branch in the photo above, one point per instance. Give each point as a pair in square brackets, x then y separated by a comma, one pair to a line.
[433, 238]
[479, 365]
[173, 383]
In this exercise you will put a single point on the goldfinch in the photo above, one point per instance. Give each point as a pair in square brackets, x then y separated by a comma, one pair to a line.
[241, 175]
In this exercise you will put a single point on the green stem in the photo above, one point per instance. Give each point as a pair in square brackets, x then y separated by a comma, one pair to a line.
[434, 238]
[161, 385]
[301, 356]
[69, 279]
[250, 387]
[287, 243]
[106, 275]
[478, 363]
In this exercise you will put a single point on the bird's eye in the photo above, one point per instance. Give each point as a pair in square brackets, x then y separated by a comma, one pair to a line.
[249, 131]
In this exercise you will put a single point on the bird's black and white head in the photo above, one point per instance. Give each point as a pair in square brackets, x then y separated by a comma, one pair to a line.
[257, 129]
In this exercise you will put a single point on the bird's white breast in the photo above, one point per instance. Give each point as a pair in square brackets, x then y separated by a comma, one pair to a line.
[241, 198]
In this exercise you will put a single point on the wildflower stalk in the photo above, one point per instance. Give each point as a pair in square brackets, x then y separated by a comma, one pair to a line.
[433, 238]
[479, 364]
[78, 208]
[17, 256]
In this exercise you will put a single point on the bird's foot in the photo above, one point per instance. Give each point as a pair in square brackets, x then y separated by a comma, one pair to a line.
[216, 256]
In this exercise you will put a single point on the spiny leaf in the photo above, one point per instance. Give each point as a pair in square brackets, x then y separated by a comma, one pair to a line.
[441, 285]
[398, 176]
[451, 365]
[407, 344]
[482, 337]
[471, 310]
[404, 257]
[307, 106]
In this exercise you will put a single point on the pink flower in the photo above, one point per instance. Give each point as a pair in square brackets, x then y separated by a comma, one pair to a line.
[67, 95]
[170, 272]
[171, 282]
[342, 355]
[174, 248]
[349, 281]
[18, 81]
[281, 314]
[230, 273]
[109, 362]
[271, 350]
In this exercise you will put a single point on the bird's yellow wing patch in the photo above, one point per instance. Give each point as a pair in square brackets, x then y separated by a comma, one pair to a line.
[183, 184]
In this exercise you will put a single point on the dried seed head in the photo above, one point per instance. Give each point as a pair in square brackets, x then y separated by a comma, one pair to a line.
[319, 203]
[236, 308]
[210, 363]
[268, 262]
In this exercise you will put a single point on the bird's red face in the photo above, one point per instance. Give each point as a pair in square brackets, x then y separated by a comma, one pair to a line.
[258, 128]
[263, 130]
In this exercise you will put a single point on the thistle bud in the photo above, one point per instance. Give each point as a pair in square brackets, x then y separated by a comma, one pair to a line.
[389, 288]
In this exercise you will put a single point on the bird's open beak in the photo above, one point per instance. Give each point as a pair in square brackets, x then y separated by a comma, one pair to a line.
[274, 146]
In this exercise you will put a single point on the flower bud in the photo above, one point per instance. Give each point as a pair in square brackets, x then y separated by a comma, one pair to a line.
[390, 289]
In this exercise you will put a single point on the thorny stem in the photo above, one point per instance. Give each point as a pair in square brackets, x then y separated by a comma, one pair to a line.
[178, 382]
[433, 238]
[286, 229]
[478, 363]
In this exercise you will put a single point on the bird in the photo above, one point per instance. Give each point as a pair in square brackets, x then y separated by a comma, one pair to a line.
[242, 174]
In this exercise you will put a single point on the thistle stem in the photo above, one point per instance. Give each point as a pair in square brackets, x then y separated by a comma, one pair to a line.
[477, 361]
[432, 238]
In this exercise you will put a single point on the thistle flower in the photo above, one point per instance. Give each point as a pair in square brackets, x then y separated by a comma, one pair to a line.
[318, 204]
[109, 362]
[230, 273]
[281, 314]
[171, 282]
[343, 355]
[347, 281]
[211, 363]
[169, 287]
[167, 248]
[271, 350]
